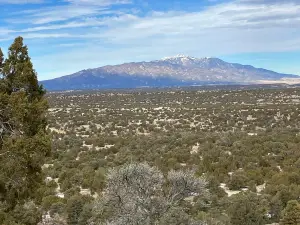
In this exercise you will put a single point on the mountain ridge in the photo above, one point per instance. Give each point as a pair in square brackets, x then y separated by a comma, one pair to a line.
[179, 70]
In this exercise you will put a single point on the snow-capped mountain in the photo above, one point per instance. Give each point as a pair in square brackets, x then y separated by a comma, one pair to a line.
[180, 70]
[192, 61]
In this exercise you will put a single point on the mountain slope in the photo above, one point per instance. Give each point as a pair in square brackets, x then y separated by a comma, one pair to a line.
[171, 71]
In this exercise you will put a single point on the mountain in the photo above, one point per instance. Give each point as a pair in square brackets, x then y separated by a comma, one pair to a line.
[179, 70]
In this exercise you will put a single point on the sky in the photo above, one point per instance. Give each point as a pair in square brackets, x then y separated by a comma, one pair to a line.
[66, 36]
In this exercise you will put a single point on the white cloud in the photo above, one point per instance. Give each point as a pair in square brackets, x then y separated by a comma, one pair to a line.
[99, 2]
[268, 2]
[59, 13]
[20, 1]
[126, 28]
[5, 31]
[223, 20]
[46, 35]
[111, 37]
[75, 9]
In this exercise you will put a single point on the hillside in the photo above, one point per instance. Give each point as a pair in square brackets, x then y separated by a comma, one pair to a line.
[168, 72]
[245, 142]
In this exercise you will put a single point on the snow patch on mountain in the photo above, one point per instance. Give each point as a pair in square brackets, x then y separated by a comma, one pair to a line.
[179, 70]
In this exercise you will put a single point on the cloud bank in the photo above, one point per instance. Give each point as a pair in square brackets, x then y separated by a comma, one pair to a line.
[90, 33]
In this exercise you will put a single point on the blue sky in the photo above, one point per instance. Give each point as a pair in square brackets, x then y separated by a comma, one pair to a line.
[65, 36]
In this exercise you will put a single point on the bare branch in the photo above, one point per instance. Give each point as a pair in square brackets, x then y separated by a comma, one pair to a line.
[184, 184]
[134, 194]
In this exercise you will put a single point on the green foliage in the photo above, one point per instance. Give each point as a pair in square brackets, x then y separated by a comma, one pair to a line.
[27, 214]
[86, 214]
[1, 62]
[276, 207]
[239, 139]
[238, 180]
[207, 130]
[247, 209]
[74, 209]
[175, 217]
[24, 142]
[291, 214]
[18, 72]
[50, 200]
[57, 208]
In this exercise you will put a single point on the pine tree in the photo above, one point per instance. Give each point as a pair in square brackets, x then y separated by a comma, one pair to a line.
[291, 214]
[247, 209]
[74, 209]
[1, 58]
[24, 142]
[1, 68]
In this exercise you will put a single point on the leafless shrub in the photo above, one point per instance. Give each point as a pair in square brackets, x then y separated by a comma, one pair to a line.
[139, 194]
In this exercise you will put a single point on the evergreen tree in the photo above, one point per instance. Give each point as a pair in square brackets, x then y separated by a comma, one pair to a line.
[24, 142]
[247, 209]
[291, 214]
[74, 209]
[1, 60]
